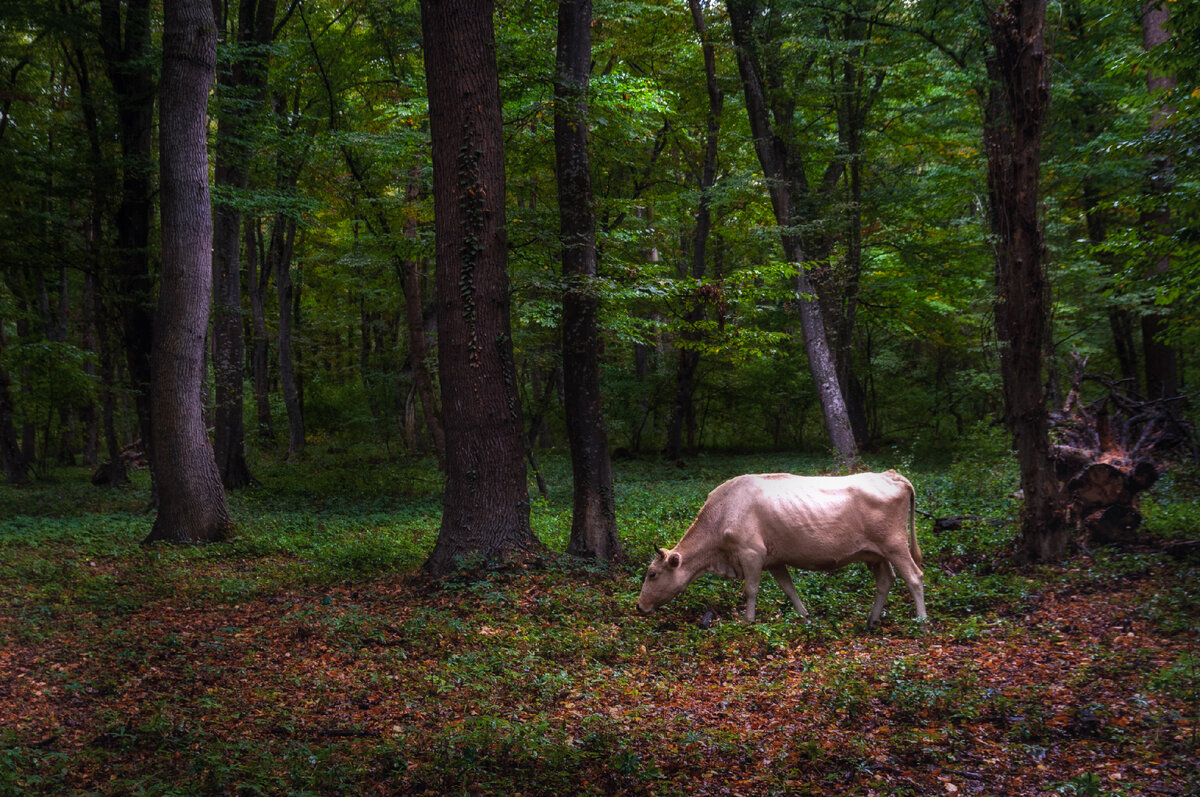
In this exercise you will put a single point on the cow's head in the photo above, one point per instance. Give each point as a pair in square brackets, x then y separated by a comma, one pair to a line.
[664, 580]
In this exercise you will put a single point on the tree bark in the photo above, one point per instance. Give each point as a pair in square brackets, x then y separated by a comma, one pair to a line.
[784, 185]
[13, 461]
[242, 86]
[127, 51]
[1162, 370]
[93, 234]
[407, 271]
[414, 312]
[486, 502]
[279, 255]
[593, 517]
[682, 412]
[1120, 322]
[854, 102]
[259, 277]
[112, 473]
[191, 499]
[1014, 119]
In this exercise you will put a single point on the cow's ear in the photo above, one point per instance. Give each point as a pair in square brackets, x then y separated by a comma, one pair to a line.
[662, 554]
[674, 560]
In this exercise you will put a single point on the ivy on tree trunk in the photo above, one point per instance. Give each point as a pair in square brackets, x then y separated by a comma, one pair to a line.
[485, 511]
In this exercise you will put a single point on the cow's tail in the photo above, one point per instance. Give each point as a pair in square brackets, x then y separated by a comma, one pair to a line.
[912, 524]
[913, 546]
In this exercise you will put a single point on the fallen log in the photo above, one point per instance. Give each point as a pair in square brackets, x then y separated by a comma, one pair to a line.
[956, 522]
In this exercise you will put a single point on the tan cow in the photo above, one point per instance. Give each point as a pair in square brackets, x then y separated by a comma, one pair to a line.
[770, 521]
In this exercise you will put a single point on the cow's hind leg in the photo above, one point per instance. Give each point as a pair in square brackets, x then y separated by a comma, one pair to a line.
[913, 578]
[784, 579]
[884, 578]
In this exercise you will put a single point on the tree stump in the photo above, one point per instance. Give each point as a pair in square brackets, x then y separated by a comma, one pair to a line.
[1110, 451]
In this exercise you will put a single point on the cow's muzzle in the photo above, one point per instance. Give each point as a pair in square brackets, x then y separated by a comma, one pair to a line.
[642, 611]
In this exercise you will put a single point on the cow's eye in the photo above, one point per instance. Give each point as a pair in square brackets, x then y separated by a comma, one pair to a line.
[652, 575]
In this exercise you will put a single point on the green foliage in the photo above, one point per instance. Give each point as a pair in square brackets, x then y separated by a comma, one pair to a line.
[340, 148]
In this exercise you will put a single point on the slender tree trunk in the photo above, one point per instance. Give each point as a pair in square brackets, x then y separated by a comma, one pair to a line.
[773, 155]
[593, 517]
[127, 52]
[1015, 117]
[682, 412]
[1119, 321]
[228, 343]
[259, 277]
[93, 234]
[278, 261]
[16, 468]
[96, 324]
[91, 435]
[853, 106]
[116, 475]
[414, 312]
[28, 428]
[191, 499]
[1162, 370]
[242, 85]
[486, 502]
[279, 255]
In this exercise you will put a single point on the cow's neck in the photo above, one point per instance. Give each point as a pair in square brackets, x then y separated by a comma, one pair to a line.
[701, 554]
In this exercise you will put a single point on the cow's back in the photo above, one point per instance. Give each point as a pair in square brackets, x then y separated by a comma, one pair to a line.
[817, 522]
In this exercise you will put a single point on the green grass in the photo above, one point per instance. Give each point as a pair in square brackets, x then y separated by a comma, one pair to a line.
[306, 656]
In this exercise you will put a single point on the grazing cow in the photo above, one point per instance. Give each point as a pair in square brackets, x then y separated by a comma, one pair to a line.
[770, 521]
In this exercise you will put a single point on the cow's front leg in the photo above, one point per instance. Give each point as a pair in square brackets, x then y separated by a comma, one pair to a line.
[753, 574]
[784, 579]
[884, 578]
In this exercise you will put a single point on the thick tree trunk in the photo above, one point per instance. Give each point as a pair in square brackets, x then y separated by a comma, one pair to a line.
[593, 518]
[486, 502]
[126, 54]
[784, 186]
[1015, 116]
[191, 499]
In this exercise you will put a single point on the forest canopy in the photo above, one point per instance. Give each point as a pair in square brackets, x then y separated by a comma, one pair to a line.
[321, 176]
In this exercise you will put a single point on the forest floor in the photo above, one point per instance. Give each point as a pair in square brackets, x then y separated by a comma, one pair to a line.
[264, 667]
